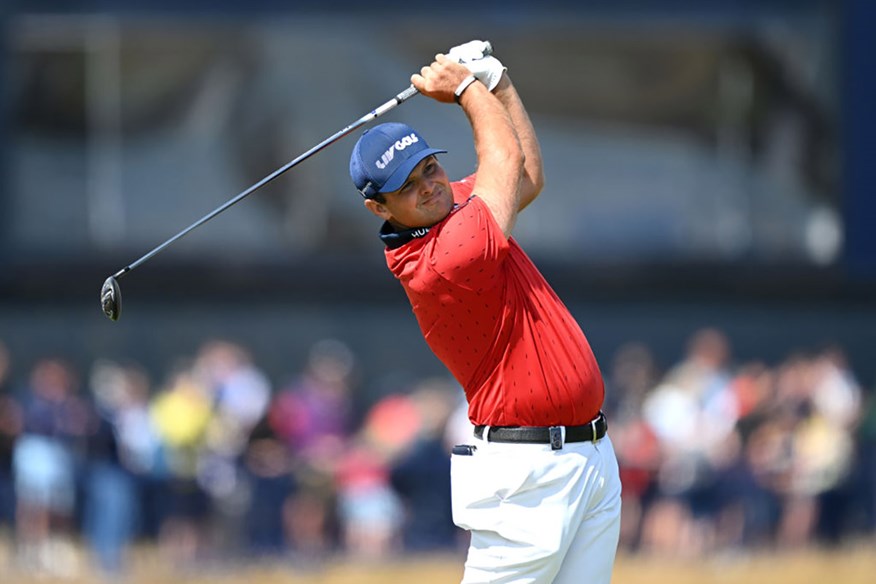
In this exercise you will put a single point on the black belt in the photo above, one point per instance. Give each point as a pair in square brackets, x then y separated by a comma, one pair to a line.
[552, 435]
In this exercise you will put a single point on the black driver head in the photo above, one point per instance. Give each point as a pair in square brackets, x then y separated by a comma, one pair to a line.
[111, 298]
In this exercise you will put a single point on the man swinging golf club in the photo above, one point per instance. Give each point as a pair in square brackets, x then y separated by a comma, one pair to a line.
[538, 486]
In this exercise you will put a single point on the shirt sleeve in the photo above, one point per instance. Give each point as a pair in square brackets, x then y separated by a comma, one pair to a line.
[469, 248]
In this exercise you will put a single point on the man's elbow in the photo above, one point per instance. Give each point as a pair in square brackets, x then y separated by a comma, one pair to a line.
[515, 153]
[537, 182]
[512, 159]
[533, 183]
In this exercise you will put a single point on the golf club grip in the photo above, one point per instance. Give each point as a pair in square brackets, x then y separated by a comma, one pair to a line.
[412, 91]
[406, 94]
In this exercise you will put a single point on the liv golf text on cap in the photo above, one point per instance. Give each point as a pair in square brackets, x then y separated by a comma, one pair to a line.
[384, 157]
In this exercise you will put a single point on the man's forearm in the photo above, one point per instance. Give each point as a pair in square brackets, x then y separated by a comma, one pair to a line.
[533, 169]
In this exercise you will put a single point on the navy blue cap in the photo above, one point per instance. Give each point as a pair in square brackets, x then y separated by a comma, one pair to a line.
[384, 157]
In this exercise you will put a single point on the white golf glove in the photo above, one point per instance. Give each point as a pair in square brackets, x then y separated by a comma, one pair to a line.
[475, 56]
[470, 51]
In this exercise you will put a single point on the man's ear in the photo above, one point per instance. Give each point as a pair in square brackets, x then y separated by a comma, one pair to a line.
[378, 209]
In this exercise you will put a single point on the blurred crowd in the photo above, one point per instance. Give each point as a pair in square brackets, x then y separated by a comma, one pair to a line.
[718, 456]
[217, 462]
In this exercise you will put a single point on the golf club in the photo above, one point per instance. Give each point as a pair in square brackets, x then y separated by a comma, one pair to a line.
[110, 293]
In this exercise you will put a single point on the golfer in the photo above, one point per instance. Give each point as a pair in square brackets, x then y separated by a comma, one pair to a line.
[538, 485]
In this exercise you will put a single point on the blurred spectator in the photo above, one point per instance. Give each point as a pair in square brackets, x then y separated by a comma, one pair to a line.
[836, 395]
[267, 464]
[793, 411]
[862, 496]
[369, 510]
[239, 392]
[632, 375]
[704, 371]
[766, 455]
[55, 422]
[123, 393]
[181, 413]
[838, 398]
[420, 472]
[110, 494]
[750, 506]
[10, 428]
[313, 413]
[693, 412]
[753, 387]
[127, 391]
[312, 417]
[822, 445]
[309, 513]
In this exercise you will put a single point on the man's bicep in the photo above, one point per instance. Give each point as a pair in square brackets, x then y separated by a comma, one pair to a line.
[498, 184]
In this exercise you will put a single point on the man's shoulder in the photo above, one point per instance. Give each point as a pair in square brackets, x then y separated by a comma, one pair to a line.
[462, 189]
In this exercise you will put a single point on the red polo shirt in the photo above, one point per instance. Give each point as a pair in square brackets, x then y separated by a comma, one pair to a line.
[492, 319]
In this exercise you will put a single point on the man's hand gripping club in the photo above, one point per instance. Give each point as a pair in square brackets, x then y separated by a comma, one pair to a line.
[477, 58]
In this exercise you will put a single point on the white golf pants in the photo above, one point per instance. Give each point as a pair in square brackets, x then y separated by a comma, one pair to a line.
[538, 515]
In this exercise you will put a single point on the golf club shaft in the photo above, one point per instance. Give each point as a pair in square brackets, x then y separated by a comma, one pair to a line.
[401, 97]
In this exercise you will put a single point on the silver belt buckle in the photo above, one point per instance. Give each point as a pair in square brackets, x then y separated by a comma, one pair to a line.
[556, 435]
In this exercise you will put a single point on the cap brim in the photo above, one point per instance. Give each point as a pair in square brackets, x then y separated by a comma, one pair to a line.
[398, 178]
